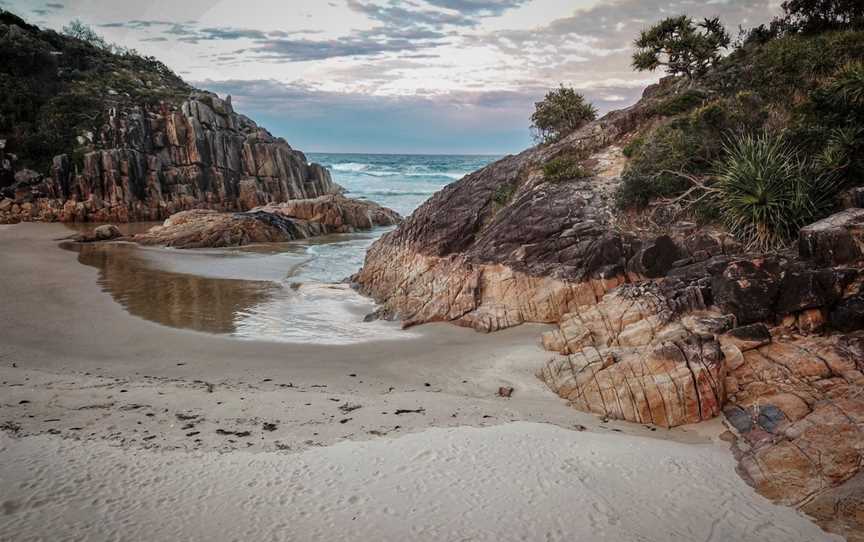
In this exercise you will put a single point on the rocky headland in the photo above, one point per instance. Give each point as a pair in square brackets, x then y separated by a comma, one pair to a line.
[128, 140]
[665, 324]
[154, 162]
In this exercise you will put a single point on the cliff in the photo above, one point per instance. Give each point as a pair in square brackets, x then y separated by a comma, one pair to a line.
[88, 134]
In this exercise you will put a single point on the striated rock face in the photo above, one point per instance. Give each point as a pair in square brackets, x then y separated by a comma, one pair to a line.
[152, 163]
[297, 219]
[481, 253]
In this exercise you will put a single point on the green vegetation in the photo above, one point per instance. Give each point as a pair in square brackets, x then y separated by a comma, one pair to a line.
[562, 112]
[504, 193]
[814, 16]
[682, 46]
[683, 102]
[55, 89]
[766, 192]
[763, 139]
[564, 168]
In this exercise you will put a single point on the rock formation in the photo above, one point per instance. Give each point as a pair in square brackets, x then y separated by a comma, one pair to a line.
[664, 325]
[152, 162]
[275, 222]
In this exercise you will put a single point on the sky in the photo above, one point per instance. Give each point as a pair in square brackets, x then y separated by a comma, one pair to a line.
[394, 76]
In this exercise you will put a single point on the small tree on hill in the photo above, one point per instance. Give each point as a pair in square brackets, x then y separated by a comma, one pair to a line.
[682, 46]
[561, 112]
[78, 30]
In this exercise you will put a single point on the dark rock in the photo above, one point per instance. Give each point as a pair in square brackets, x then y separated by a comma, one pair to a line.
[836, 240]
[770, 417]
[655, 259]
[747, 289]
[748, 337]
[848, 314]
[505, 391]
[809, 289]
[739, 418]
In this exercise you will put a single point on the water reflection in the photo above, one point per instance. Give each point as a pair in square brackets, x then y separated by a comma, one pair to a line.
[175, 299]
[271, 293]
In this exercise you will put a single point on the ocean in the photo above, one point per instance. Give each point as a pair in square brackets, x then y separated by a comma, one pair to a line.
[398, 181]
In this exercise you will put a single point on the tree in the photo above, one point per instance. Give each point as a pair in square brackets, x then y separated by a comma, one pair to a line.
[562, 112]
[683, 47]
[813, 16]
[78, 30]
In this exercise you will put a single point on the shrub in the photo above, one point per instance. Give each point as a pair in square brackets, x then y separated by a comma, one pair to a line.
[564, 168]
[680, 103]
[683, 47]
[80, 31]
[630, 149]
[844, 154]
[503, 193]
[562, 112]
[649, 174]
[766, 193]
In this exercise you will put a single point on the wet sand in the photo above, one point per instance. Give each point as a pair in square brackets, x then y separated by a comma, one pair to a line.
[87, 380]
[82, 358]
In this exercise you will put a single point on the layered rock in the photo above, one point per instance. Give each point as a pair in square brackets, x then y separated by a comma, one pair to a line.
[149, 163]
[481, 254]
[297, 219]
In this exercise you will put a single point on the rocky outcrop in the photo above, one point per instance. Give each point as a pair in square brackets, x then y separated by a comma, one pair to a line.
[665, 326]
[481, 253]
[149, 163]
[297, 219]
[836, 240]
[798, 408]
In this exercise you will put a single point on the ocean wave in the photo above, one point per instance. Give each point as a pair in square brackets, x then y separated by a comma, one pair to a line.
[368, 193]
[382, 170]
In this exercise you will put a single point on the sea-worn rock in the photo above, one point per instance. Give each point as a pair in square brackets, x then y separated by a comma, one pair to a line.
[628, 357]
[105, 232]
[299, 219]
[804, 439]
[836, 240]
[149, 163]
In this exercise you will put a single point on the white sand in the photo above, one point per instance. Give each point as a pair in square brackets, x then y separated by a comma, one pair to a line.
[519, 481]
[115, 430]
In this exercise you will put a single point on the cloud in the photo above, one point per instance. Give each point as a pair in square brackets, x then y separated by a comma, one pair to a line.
[486, 8]
[597, 42]
[464, 13]
[136, 24]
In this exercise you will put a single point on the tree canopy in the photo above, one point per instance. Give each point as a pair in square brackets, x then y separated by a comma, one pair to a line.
[813, 16]
[561, 112]
[682, 46]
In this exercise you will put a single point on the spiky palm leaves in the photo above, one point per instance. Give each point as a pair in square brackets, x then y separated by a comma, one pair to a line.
[766, 192]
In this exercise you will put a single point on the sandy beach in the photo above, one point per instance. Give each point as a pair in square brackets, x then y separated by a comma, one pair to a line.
[382, 439]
